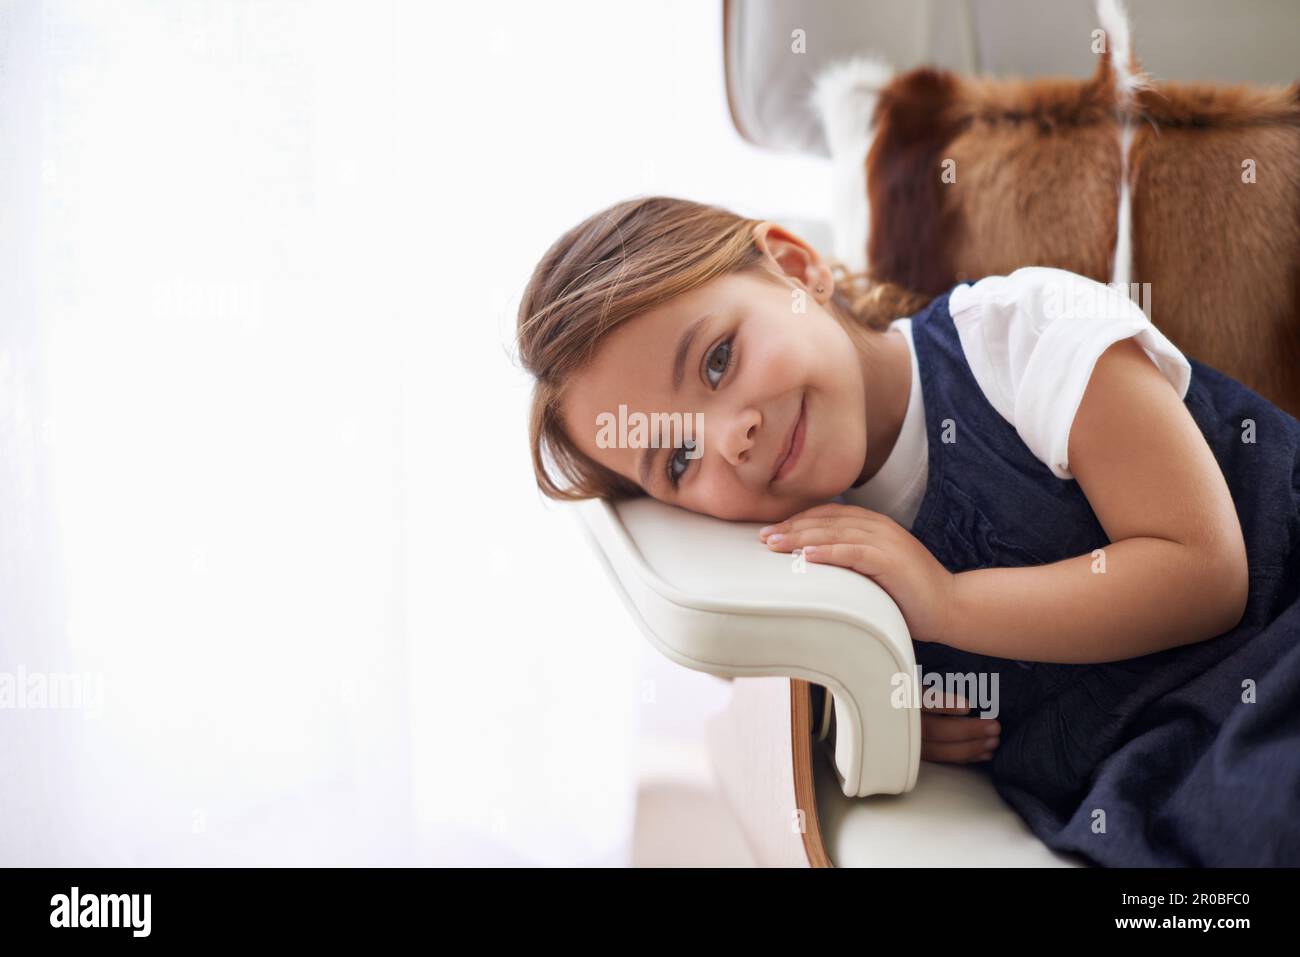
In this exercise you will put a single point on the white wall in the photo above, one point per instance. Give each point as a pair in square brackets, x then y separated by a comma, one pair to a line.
[263, 459]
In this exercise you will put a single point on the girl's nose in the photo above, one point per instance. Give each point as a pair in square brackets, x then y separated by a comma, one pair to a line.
[738, 438]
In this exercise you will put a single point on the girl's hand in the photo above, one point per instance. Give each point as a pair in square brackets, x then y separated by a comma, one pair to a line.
[948, 737]
[876, 546]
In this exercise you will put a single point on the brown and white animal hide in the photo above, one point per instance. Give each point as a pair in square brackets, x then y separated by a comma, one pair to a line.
[1036, 176]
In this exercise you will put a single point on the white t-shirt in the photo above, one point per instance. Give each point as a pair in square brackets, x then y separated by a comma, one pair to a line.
[1031, 340]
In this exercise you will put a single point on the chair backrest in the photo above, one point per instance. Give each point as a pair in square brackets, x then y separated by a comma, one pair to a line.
[769, 76]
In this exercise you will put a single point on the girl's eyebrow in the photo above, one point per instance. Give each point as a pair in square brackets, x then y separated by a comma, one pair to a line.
[684, 349]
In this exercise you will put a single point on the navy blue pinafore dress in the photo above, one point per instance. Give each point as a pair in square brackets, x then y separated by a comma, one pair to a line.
[1162, 760]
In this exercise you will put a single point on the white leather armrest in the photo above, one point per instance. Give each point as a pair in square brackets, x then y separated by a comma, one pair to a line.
[712, 597]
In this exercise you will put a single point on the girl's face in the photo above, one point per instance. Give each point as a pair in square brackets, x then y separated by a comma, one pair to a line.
[739, 352]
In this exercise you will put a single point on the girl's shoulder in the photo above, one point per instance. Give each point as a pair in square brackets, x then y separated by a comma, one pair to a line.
[1032, 339]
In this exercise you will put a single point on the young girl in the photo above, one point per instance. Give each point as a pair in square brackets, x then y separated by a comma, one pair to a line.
[1043, 483]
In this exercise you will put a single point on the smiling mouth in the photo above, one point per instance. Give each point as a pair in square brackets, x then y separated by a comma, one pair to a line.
[794, 445]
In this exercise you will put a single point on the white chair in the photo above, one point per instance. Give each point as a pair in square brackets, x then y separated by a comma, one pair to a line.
[816, 781]
[840, 784]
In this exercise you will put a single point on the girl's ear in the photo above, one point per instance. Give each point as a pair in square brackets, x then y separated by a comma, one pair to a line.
[790, 256]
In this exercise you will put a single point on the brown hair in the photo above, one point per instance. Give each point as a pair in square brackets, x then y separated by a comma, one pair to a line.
[618, 263]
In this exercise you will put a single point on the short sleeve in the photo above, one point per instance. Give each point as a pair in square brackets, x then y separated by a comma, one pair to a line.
[1032, 339]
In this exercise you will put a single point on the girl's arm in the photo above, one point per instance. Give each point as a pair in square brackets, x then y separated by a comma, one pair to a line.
[1175, 572]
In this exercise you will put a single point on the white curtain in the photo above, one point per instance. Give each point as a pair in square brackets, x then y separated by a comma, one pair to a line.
[204, 471]
[265, 498]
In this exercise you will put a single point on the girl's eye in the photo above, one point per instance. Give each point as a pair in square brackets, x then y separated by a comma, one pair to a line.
[675, 476]
[720, 360]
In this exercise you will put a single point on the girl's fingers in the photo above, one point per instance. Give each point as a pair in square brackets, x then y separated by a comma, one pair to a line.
[865, 559]
[862, 521]
[958, 740]
[938, 728]
[826, 535]
[960, 752]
